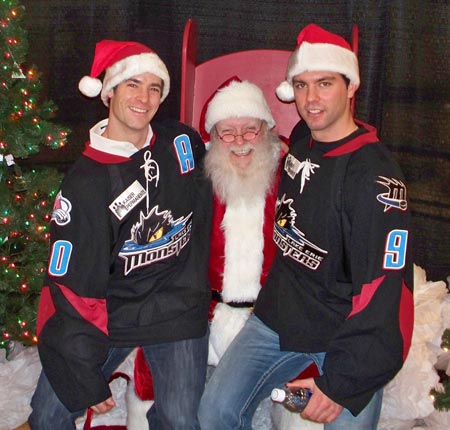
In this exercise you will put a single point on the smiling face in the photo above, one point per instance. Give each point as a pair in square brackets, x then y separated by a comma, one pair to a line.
[132, 105]
[240, 152]
[242, 170]
[323, 101]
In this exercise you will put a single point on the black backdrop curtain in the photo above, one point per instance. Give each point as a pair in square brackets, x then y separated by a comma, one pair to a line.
[404, 54]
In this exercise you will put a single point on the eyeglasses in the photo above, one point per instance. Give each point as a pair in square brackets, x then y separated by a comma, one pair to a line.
[247, 136]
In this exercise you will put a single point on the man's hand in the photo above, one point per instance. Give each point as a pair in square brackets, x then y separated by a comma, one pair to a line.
[320, 408]
[103, 407]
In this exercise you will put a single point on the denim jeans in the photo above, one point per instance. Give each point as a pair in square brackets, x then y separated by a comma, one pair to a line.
[178, 373]
[251, 367]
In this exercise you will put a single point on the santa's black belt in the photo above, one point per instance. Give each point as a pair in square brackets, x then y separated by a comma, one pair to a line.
[217, 296]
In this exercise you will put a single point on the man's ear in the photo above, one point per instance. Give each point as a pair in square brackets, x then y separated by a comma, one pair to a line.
[110, 93]
[351, 90]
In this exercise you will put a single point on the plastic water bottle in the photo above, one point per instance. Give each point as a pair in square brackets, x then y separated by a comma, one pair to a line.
[294, 400]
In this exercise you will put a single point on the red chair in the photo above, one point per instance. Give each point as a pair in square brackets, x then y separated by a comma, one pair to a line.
[264, 67]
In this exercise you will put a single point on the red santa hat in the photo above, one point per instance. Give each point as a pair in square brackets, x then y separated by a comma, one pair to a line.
[120, 61]
[319, 50]
[234, 99]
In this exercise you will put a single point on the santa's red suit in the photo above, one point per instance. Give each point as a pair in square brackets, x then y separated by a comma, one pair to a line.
[242, 251]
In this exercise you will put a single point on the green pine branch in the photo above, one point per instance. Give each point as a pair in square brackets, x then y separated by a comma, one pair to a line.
[26, 195]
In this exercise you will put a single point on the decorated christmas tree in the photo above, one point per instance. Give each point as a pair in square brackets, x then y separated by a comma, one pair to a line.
[26, 192]
[441, 395]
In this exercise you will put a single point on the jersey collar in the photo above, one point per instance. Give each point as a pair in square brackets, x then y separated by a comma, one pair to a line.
[108, 151]
[354, 144]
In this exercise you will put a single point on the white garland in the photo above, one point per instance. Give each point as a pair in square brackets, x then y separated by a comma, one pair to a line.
[406, 402]
[406, 398]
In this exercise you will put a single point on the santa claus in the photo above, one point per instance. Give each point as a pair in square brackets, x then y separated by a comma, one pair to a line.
[242, 163]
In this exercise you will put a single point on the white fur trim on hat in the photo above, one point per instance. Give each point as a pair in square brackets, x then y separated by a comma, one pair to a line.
[132, 66]
[238, 99]
[324, 57]
[314, 57]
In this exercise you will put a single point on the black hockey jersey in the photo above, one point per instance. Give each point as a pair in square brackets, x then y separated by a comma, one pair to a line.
[128, 260]
[342, 280]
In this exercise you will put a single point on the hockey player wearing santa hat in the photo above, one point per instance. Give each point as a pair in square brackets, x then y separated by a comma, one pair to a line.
[339, 291]
[129, 254]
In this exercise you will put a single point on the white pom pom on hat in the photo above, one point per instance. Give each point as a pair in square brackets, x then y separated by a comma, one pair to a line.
[285, 92]
[120, 61]
[89, 86]
[319, 50]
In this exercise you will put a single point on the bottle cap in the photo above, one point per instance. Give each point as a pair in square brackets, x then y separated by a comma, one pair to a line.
[278, 395]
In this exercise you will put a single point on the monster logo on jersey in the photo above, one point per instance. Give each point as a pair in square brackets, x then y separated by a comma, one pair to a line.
[155, 237]
[292, 241]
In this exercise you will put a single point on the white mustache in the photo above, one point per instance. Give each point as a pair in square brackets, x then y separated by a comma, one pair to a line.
[246, 147]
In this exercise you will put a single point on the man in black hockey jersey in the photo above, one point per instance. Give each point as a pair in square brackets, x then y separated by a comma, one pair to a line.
[339, 293]
[129, 254]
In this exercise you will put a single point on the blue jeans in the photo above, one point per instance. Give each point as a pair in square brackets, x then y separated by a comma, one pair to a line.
[251, 367]
[178, 373]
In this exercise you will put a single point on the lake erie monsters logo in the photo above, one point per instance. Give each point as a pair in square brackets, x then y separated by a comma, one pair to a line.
[291, 241]
[155, 237]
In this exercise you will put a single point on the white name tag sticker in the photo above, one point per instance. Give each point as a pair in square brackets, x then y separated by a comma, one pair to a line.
[126, 201]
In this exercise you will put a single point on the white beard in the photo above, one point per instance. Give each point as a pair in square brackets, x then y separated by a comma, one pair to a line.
[233, 184]
[244, 193]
